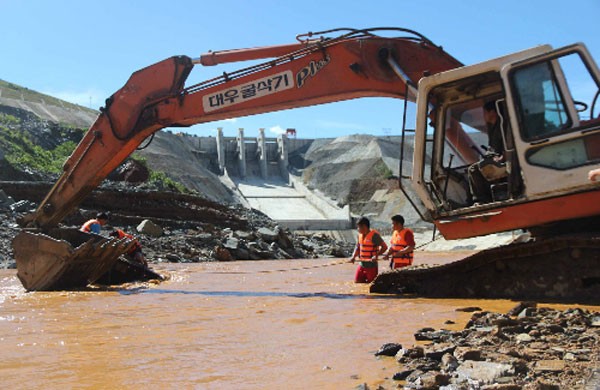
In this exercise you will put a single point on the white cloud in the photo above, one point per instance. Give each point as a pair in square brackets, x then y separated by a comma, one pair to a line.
[277, 130]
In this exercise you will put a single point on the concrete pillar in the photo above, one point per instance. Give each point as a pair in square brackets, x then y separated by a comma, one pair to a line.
[220, 150]
[261, 151]
[241, 148]
[282, 148]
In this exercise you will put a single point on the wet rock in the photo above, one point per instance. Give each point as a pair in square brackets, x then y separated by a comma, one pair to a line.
[467, 353]
[402, 375]
[411, 353]
[520, 307]
[469, 309]
[432, 335]
[222, 254]
[389, 349]
[149, 228]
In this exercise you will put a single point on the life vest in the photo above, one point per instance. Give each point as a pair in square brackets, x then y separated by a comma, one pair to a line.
[136, 245]
[367, 248]
[87, 227]
[398, 243]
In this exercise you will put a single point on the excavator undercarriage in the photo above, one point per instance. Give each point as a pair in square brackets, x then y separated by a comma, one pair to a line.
[563, 268]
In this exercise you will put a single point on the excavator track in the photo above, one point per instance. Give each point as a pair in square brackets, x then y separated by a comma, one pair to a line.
[563, 268]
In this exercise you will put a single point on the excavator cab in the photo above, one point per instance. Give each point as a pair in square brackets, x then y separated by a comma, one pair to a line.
[547, 130]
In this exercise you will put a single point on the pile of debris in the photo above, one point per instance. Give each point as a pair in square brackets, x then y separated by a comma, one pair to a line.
[175, 227]
[528, 348]
[260, 240]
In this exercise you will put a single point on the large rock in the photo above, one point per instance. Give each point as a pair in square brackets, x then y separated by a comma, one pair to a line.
[484, 372]
[268, 234]
[149, 228]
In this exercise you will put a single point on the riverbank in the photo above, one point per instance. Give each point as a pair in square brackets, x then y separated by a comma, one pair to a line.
[528, 348]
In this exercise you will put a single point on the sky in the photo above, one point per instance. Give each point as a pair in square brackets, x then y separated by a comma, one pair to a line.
[83, 51]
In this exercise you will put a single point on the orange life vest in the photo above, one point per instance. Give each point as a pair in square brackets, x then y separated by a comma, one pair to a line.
[137, 244]
[87, 227]
[398, 243]
[367, 248]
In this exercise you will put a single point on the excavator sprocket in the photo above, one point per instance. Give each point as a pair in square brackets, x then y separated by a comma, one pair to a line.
[563, 268]
[64, 259]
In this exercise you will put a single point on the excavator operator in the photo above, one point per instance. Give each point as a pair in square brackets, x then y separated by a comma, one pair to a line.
[492, 166]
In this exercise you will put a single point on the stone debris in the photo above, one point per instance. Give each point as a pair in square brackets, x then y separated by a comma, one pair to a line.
[149, 228]
[545, 349]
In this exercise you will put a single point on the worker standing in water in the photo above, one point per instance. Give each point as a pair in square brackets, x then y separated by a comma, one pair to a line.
[369, 247]
[95, 225]
[135, 253]
[402, 244]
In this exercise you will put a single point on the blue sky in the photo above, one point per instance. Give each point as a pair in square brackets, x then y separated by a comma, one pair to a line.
[83, 51]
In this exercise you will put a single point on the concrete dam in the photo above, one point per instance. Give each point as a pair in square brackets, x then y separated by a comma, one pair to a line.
[257, 169]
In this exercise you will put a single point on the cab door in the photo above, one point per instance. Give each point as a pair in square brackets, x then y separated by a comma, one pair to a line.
[554, 106]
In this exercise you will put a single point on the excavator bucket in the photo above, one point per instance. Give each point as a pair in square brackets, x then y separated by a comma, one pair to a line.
[63, 259]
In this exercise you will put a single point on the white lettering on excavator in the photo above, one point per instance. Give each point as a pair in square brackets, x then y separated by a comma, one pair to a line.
[311, 70]
[255, 89]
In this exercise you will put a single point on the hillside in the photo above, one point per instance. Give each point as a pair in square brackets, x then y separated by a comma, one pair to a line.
[45, 107]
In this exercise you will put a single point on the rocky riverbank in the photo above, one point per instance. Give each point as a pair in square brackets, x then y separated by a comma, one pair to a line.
[185, 229]
[527, 348]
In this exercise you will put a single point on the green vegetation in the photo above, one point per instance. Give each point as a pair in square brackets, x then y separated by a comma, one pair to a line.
[21, 152]
[160, 178]
[382, 170]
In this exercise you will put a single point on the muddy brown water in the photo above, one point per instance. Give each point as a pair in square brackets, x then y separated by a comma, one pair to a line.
[242, 325]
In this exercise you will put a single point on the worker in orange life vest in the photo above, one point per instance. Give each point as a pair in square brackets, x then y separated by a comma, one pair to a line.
[402, 244]
[95, 225]
[135, 253]
[369, 247]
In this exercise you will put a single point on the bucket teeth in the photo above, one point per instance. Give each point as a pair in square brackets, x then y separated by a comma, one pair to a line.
[64, 258]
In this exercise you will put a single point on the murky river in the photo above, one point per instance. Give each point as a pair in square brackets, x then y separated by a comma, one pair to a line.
[240, 325]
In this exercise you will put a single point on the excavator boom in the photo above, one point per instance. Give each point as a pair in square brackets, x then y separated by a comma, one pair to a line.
[313, 71]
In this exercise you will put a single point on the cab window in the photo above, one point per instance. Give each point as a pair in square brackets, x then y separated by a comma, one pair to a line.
[540, 103]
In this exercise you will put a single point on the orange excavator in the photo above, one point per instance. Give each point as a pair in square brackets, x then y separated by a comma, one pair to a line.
[540, 119]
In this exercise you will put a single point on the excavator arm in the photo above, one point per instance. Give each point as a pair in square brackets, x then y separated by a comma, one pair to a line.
[312, 71]
[303, 74]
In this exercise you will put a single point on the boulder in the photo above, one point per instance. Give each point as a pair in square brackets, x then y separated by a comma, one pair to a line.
[484, 372]
[244, 235]
[389, 349]
[449, 363]
[149, 228]
[268, 234]
[222, 254]
[467, 353]
[436, 351]
[131, 171]
[232, 244]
